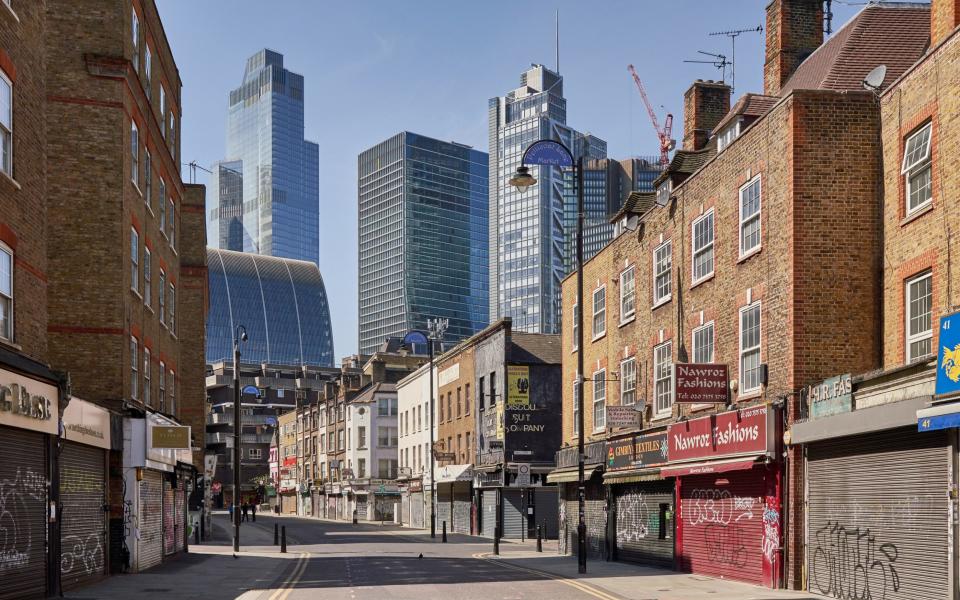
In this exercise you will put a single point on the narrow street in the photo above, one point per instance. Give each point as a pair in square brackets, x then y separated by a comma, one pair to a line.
[341, 561]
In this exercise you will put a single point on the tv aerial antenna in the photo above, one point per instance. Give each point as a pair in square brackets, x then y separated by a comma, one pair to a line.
[733, 34]
[719, 61]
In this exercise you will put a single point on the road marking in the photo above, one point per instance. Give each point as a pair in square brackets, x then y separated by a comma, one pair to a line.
[583, 587]
[287, 586]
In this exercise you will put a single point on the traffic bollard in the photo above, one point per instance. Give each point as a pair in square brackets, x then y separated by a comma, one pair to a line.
[496, 540]
[354, 517]
[283, 539]
[539, 538]
[196, 534]
[276, 534]
[444, 538]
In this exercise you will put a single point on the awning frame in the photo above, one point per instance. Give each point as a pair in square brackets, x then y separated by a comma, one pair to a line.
[709, 467]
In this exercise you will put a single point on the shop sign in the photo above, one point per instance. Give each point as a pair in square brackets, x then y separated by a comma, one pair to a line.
[701, 383]
[523, 475]
[518, 386]
[415, 486]
[449, 375]
[731, 433]
[170, 437]
[948, 359]
[831, 397]
[290, 461]
[622, 416]
[86, 423]
[637, 451]
[27, 404]
[499, 419]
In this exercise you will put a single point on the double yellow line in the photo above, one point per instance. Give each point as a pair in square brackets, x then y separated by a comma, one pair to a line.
[583, 587]
[286, 587]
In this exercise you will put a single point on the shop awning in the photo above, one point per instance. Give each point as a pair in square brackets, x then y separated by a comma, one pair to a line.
[942, 416]
[711, 466]
[569, 475]
[633, 475]
[452, 473]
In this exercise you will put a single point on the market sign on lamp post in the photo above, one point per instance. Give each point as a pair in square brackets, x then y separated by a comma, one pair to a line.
[701, 383]
[948, 358]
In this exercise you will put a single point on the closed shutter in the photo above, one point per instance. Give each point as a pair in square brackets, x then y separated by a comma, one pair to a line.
[513, 513]
[723, 525]
[416, 510]
[180, 516]
[461, 507]
[361, 501]
[331, 507]
[168, 527]
[878, 516]
[568, 519]
[643, 523]
[444, 500]
[83, 534]
[488, 521]
[151, 520]
[23, 514]
[405, 509]
[595, 512]
[546, 510]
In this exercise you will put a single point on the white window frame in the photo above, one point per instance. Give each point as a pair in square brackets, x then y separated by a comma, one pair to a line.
[162, 298]
[135, 32]
[134, 366]
[173, 134]
[659, 271]
[601, 313]
[663, 409]
[744, 220]
[918, 337]
[147, 68]
[147, 178]
[628, 297]
[576, 407]
[8, 335]
[172, 307]
[713, 341]
[171, 223]
[696, 252]
[135, 260]
[923, 161]
[254, 453]
[6, 130]
[134, 154]
[742, 389]
[147, 274]
[145, 392]
[576, 325]
[173, 393]
[162, 395]
[599, 403]
[628, 381]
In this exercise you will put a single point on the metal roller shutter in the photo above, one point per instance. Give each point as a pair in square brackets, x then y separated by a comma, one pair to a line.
[568, 519]
[151, 520]
[595, 512]
[169, 546]
[513, 517]
[461, 507]
[644, 531]
[546, 510]
[488, 520]
[361, 506]
[83, 533]
[405, 510]
[416, 510]
[878, 516]
[723, 525]
[180, 516]
[23, 512]
[444, 500]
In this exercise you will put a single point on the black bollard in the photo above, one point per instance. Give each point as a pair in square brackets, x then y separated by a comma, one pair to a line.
[496, 540]
[539, 538]
[283, 539]
[444, 538]
[196, 534]
[276, 534]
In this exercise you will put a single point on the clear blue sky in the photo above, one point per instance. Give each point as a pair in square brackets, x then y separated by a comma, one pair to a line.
[374, 68]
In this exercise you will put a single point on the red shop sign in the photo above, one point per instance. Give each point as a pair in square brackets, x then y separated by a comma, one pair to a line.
[290, 461]
[745, 431]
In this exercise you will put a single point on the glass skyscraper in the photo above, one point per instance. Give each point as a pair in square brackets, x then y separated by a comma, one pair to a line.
[422, 237]
[528, 244]
[277, 211]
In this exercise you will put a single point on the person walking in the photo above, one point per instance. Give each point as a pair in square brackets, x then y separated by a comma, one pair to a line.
[253, 511]
[245, 510]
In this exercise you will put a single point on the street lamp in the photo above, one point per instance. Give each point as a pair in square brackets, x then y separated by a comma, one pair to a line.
[240, 335]
[551, 153]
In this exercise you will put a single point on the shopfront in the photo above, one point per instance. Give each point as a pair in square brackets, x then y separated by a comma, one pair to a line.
[728, 492]
[28, 418]
[641, 510]
[454, 497]
[566, 476]
[83, 494]
[419, 515]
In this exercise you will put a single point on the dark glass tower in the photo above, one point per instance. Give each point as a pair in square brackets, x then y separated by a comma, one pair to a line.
[423, 238]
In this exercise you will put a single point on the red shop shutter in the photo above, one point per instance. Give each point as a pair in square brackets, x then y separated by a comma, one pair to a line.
[722, 525]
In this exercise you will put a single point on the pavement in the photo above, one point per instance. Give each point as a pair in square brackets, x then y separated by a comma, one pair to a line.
[340, 561]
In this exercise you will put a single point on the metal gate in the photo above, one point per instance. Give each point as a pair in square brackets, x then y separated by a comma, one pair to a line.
[168, 527]
[514, 517]
[83, 533]
[722, 525]
[444, 508]
[405, 509]
[151, 520]
[488, 518]
[23, 512]
[179, 516]
[877, 523]
[546, 511]
[416, 510]
[461, 507]
[595, 515]
[360, 501]
[643, 523]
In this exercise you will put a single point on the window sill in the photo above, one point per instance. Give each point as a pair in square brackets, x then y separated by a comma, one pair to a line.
[136, 293]
[661, 302]
[701, 407]
[10, 343]
[135, 185]
[8, 10]
[598, 336]
[6, 175]
[917, 213]
[148, 307]
[750, 395]
[660, 417]
[749, 254]
[703, 280]
[628, 320]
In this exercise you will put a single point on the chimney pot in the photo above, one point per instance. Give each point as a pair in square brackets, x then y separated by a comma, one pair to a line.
[705, 103]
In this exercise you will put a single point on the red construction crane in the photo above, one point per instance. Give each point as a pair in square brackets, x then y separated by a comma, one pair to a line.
[666, 144]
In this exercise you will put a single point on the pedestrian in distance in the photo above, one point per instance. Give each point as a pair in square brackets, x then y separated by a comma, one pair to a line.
[230, 510]
[245, 509]
[253, 511]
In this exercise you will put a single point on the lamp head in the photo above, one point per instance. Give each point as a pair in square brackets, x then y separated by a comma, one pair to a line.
[522, 179]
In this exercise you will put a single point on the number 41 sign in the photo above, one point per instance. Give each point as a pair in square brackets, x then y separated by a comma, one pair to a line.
[948, 358]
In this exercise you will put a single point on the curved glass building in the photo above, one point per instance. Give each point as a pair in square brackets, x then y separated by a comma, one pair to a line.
[281, 302]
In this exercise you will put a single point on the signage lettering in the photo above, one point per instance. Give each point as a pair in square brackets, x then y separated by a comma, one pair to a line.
[701, 383]
[831, 397]
[734, 432]
[637, 451]
[16, 399]
[518, 386]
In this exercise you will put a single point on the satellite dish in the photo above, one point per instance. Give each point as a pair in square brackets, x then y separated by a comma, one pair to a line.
[874, 78]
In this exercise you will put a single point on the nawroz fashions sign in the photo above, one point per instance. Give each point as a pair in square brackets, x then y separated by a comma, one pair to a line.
[726, 434]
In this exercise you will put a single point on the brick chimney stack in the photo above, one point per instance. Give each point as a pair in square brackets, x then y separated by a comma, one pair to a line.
[704, 104]
[944, 18]
[794, 31]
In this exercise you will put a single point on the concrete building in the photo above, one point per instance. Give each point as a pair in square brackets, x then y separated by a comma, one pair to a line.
[422, 233]
[528, 249]
[372, 452]
[278, 212]
[414, 446]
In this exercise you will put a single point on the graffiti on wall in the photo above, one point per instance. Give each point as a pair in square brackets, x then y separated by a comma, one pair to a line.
[721, 514]
[851, 564]
[82, 554]
[771, 531]
[633, 518]
[19, 498]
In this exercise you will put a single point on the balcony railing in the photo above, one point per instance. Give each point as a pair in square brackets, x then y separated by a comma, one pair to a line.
[245, 438]
[227, 419]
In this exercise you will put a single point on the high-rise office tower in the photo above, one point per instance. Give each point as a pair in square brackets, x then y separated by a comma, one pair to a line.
[422, 238]
[265, 197]
[529, 253]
